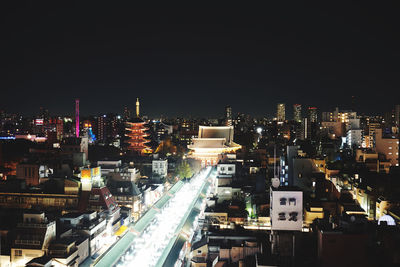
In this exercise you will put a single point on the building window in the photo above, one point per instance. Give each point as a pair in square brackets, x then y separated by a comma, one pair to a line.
[18, 253]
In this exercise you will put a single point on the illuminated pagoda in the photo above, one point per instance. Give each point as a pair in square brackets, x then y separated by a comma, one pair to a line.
[136, 132]
[212, 142]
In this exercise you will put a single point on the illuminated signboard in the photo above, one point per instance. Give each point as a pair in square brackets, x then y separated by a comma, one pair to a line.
[86, 174]
[39, 121]
[286, 210]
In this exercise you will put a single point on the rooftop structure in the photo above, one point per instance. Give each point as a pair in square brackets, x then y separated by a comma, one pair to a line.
[211, 142]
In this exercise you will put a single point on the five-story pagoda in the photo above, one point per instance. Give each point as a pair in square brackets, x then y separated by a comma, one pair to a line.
[136, 132]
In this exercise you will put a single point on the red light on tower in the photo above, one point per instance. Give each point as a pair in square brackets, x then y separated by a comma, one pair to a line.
[77, 117]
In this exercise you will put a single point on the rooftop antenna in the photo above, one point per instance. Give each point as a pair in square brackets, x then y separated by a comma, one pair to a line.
[275, 180]
[274, 160]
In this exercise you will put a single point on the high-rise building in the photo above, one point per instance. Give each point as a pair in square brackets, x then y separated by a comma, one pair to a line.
[127, 113]
[102, 128]
[280, 112]
[312, 126]
[397, 115]
[313, 114]
[228, 116]
[297, 112]
[387, 145]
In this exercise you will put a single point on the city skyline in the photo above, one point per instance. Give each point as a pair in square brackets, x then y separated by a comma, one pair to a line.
[199, 135]
[198, 60]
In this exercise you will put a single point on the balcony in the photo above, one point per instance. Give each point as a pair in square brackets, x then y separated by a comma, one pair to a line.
[27, 242]
[35, 225]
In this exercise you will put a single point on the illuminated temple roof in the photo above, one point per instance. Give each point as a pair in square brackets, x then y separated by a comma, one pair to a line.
[214, 137]
[211, 142]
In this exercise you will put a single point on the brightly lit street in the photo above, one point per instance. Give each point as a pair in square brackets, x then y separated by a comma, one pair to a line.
[151, 246]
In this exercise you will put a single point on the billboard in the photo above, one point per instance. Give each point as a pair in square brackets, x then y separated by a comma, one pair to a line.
[286, 210]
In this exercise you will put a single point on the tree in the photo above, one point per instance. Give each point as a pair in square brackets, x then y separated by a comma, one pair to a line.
[184, 170]
[166, 148]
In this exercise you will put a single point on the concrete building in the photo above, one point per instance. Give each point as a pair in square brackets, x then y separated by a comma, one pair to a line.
[343, 246]
[64, 252]
[387, 145]
[73, 145]
[22, 199]
[127, 194]
[89, 224]
[297, 113]
[108, 166]
[160, 167]
[32, 238]
[354, 138]
[313, 114]
[228, 116]
[333, 128]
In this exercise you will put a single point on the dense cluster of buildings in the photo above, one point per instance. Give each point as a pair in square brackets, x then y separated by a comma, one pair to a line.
[318, 189]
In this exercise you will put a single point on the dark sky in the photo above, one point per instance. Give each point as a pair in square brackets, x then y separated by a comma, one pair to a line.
[196, 59]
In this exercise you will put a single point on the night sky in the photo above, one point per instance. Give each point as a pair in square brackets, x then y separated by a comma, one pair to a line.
[197, 59]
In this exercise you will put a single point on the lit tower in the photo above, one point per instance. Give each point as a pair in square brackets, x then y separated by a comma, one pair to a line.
[77, 117]
[137, 107]
[136, 132]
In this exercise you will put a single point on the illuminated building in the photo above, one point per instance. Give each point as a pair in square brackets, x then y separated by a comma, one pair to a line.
[127, 114]
[137, 134]
[211, 142]
[87, 126]
[397, 115]
[160, 167]
[312, 114]
[369, 136]
[32, 238]
[354, 137]
[90, 224]
[344, 116]
[280, 112]
[327, 117]
[89, 177]
[55, 125]
[228, 116]
[101, 128]
[297, 112]
[387, 145]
